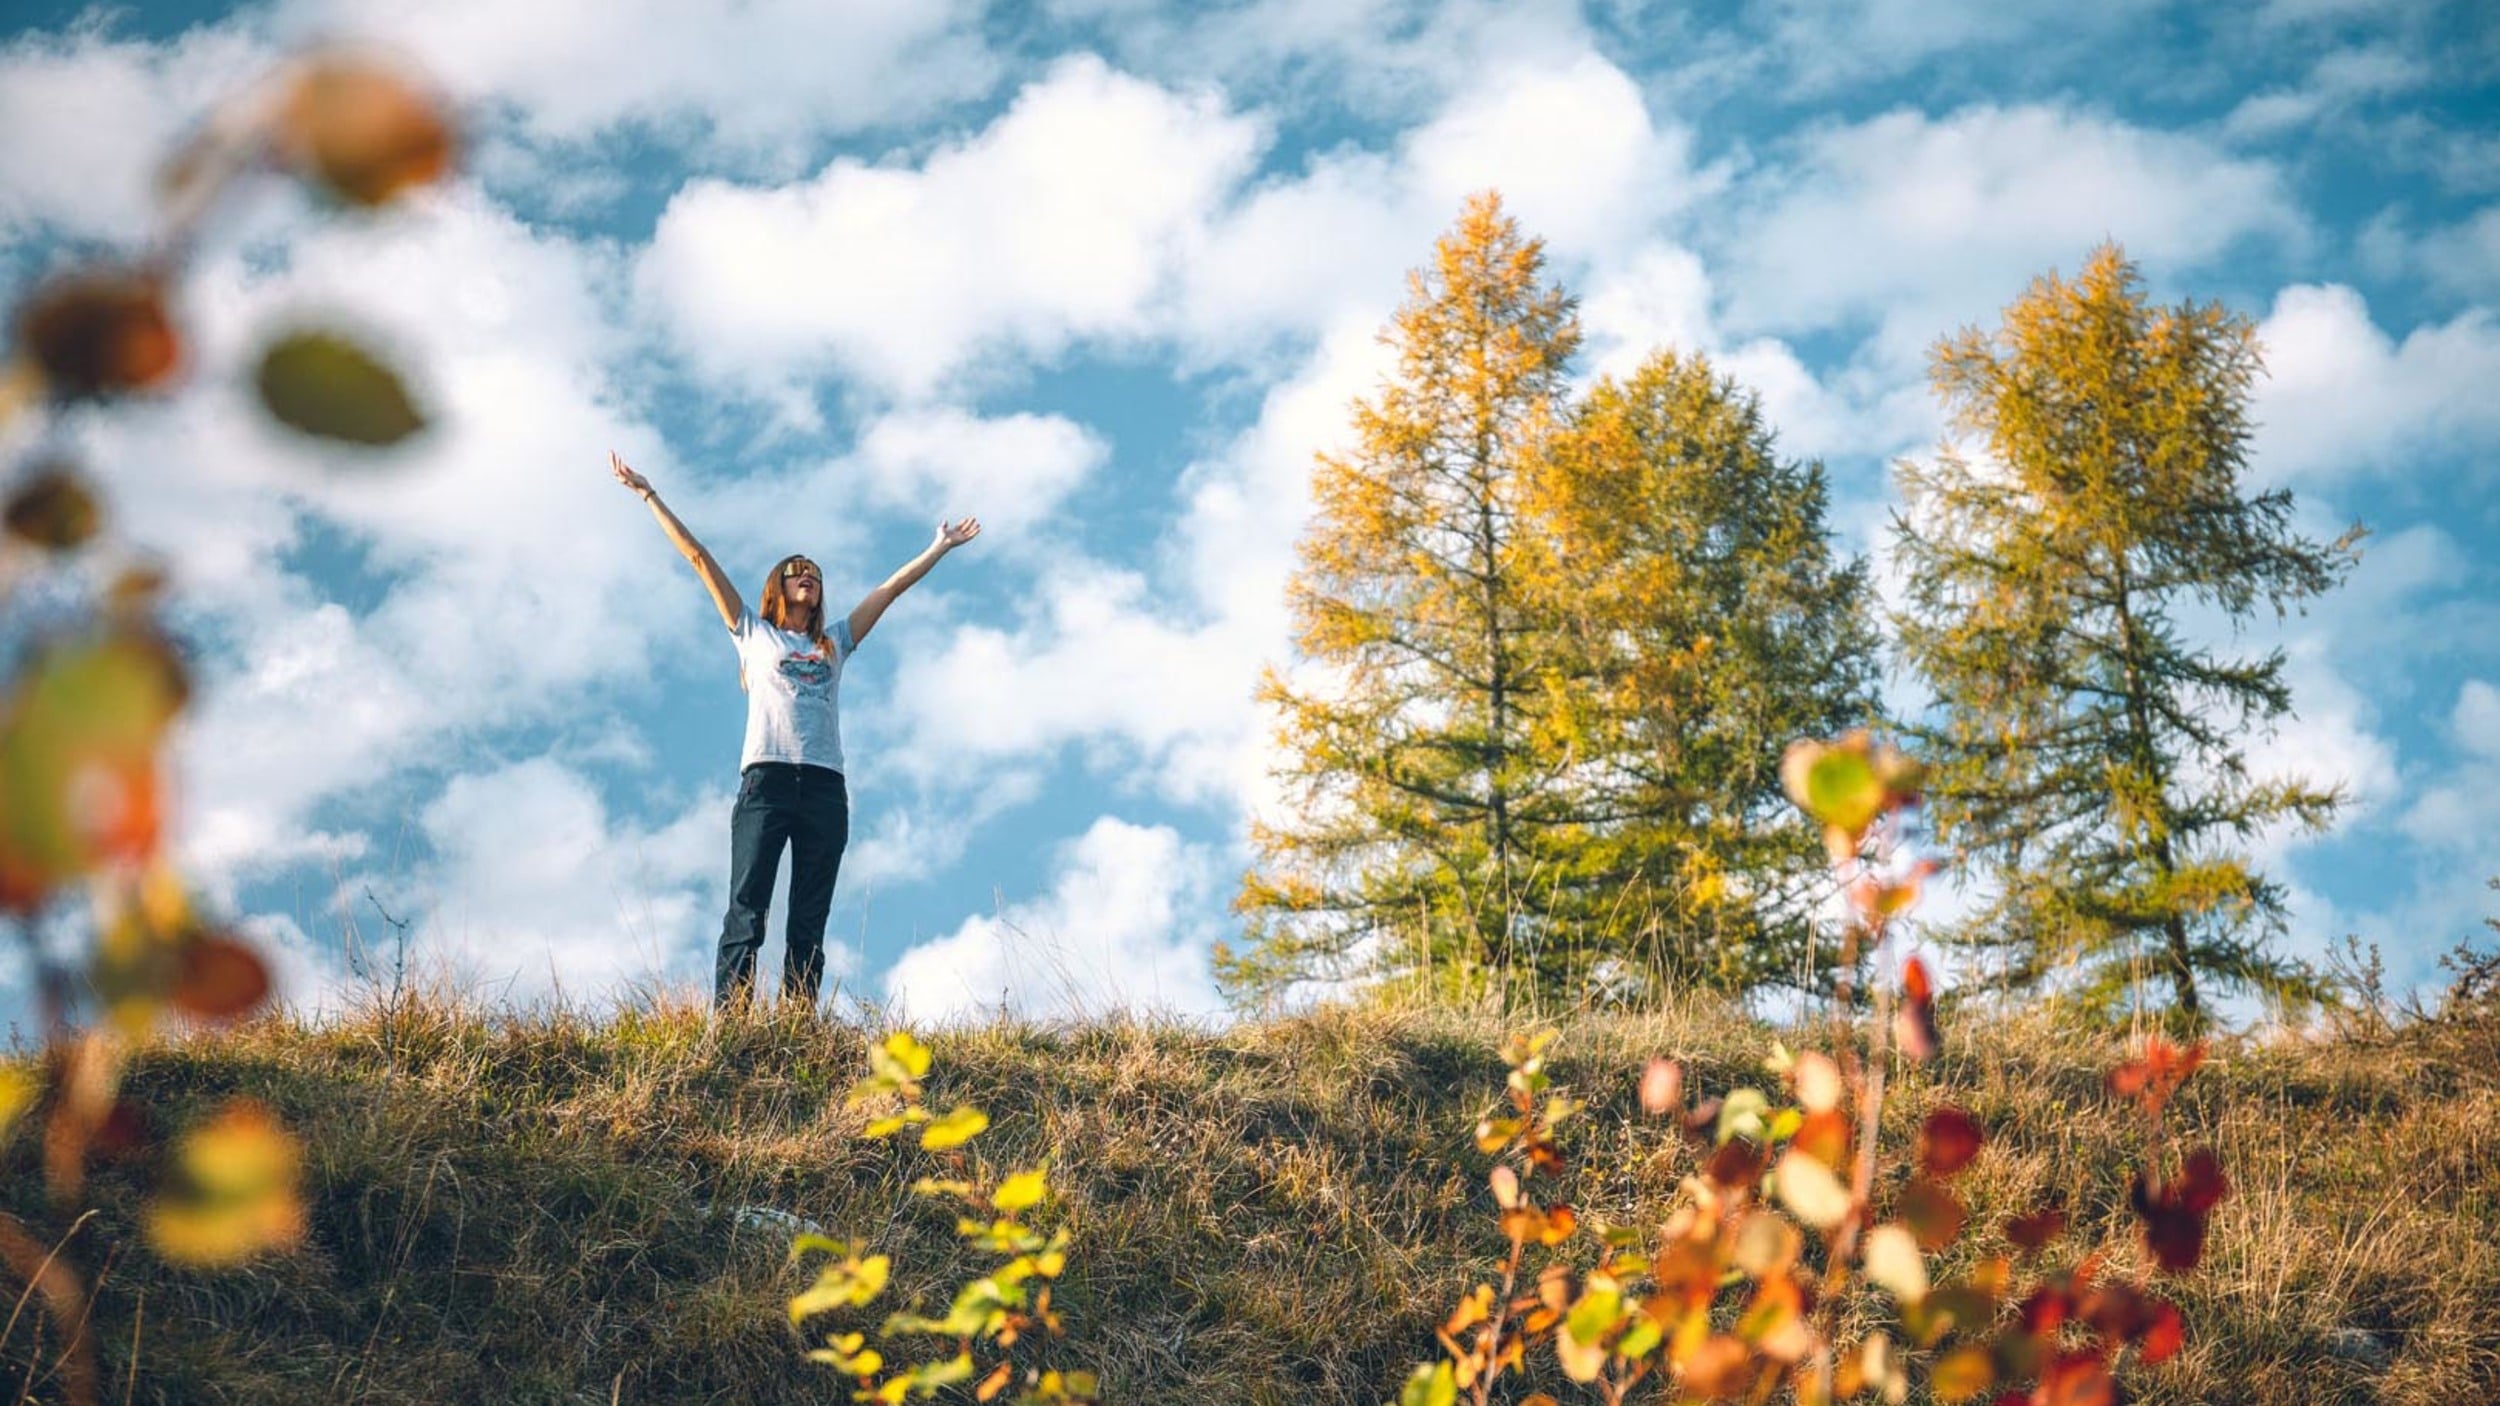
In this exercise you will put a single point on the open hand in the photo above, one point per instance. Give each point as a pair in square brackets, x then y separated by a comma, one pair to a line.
[634, 480]
[951, 535]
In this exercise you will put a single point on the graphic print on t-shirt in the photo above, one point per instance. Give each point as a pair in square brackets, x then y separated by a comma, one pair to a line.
[808, 673]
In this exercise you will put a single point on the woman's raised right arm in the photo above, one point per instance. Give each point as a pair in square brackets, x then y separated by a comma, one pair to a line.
[716, 581]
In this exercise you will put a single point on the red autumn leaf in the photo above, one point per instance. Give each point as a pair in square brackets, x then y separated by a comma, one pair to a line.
[1914, 981]
[2175, 1236]
[1914, 1024]
[2118, 1311]
[2152, 1079]
[2201, 1186]
[1947, 1141]
[100, 333]
[2164, 1335]
[1737, 1163]
[2175, 1212]
[2046, 1309]
[2077, 1379]
[2034, 1229]
[221, 980]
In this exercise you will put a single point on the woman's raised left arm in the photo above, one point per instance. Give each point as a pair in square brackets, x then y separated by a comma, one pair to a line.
[950, 535]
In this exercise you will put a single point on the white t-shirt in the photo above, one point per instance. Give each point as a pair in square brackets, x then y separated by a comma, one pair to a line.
[793, 708]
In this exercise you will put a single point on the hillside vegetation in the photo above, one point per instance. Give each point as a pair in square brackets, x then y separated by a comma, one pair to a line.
[550, 1208]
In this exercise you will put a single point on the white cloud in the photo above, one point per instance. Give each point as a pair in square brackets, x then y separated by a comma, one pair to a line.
[1115, 933]
[1093, 664]
[2341, 399]
[1571, 147]
[2459, 808]
[1664, 297]
[2463, 258]
[2339, 80]
[1062, 220]
[1011, 471]
[920, 840]
[758, 79]
[1919, 224]
[90, 120]
[2476, 721]
[535, 889]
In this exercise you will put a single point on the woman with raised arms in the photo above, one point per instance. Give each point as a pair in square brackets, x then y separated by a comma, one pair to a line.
[790, 786]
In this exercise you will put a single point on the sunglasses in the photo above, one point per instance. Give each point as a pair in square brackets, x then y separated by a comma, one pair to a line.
[801, 568]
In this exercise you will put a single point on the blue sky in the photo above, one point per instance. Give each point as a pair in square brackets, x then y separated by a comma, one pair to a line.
[1107, 273]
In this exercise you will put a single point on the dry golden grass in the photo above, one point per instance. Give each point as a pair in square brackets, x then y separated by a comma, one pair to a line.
[541, 1208]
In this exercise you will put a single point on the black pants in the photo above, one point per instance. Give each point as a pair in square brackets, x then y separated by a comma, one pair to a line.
[809, 809]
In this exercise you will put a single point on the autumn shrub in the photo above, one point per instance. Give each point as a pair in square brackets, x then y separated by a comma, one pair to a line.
[1773, 1272]
[990, 1313]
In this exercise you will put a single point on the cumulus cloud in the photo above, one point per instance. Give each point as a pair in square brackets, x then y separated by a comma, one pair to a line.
[1061, 220]
[1092, 665]
[535, 889]
[761, 79]
[2459, 808]
[2343, 400]
[1112, 935]
[1918, 224]
[90, 118]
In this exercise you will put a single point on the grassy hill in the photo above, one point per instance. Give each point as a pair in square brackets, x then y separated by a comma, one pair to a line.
[552, 1209]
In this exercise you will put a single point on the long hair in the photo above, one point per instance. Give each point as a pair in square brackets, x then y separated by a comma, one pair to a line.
[778, 611]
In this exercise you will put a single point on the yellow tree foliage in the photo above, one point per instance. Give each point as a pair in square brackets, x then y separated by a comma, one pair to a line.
[1413, 761]
[1706, 624]
[2089, 745]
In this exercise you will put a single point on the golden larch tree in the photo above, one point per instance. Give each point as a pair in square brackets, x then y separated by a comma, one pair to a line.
[1408, 739]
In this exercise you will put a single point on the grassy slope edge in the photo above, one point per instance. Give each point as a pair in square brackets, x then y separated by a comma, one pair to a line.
[546, 1208]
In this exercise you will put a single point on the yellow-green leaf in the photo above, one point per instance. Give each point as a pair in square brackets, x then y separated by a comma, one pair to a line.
[909, 1056]
[1435, 1385]
[237, 1195]
[1962, 1374]
[18, 1092]
[1021, 1192]
[1836, 784]
[957, 1127]
[323, 384]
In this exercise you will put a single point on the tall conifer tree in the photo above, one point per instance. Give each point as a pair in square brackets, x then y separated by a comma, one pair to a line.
[2090, 749]
[1707, 624]
[1411, 753]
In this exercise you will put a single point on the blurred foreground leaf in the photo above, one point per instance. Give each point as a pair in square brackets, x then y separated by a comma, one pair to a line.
[99, 333]
[78, 769]
[323, 384]
[54, 507]
[238, 1195]
[362, 130]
